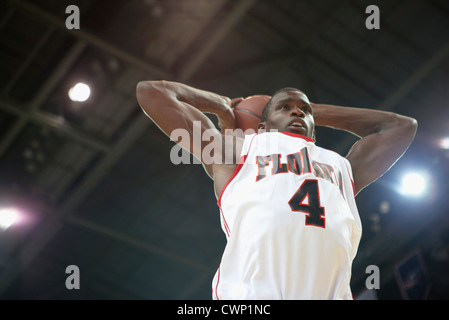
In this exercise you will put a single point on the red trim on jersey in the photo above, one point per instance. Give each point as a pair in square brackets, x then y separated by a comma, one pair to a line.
[218, 280]
[296, 135]
[228, 231]
[352, 181]
[353, 187]
[236, 171]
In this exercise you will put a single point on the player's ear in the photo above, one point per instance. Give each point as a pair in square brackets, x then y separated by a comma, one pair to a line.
[261, 126]
[314, 135]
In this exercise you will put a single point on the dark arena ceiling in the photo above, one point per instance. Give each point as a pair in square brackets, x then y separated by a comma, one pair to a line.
[93, 182]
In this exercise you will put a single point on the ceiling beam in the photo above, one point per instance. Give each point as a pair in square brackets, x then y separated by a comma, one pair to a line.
[300, 48]
[199, 57]
[25, 64]
[48, 120]
[96, 175]
[416, 77]
[40, 97]
[409, 84]
[35, 12]
[145, 246]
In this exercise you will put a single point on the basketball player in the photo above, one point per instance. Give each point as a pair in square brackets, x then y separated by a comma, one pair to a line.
[287, 206]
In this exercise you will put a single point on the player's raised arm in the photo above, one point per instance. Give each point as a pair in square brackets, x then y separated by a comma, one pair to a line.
[173, 105]
[385, 136]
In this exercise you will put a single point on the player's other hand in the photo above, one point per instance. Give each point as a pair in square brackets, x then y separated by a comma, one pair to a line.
[227, 119]
[236, 101]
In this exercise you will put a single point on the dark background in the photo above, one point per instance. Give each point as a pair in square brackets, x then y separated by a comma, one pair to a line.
[94, 180]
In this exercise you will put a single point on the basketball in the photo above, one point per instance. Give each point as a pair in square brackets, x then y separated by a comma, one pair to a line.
[248, 113]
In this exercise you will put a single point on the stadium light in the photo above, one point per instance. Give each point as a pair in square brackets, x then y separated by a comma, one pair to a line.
[8, 216]
[414, 184]
[80, 92]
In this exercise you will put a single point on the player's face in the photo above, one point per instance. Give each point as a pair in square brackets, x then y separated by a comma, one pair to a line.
[291, 112]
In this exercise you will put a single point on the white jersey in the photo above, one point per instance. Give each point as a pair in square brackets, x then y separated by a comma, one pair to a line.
[291, 222]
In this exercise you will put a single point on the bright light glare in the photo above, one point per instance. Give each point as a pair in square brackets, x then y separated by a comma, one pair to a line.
[80, 92]
[8, 217]
[445, 143]
[413, 184]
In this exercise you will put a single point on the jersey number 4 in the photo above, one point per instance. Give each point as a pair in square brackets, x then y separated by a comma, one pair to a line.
[307, 200]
